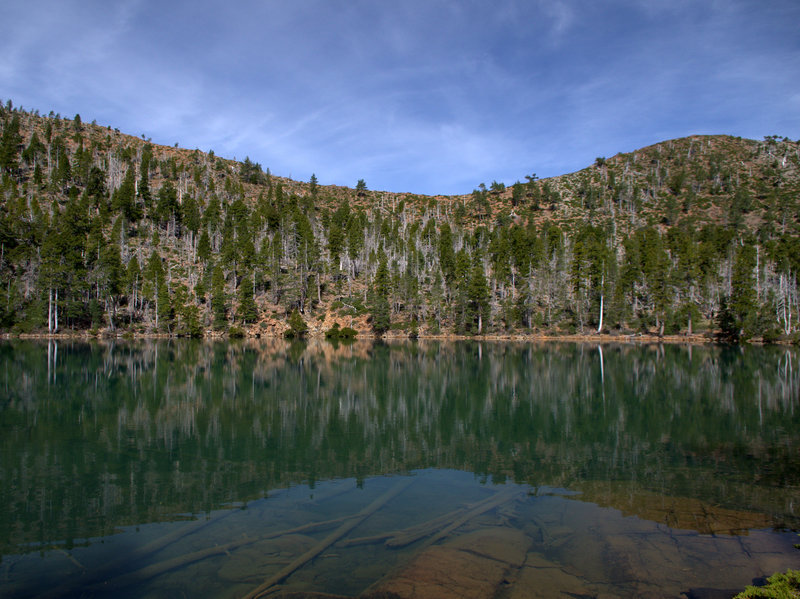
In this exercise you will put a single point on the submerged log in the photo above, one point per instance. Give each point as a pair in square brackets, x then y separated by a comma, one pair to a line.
[449, 522]
[475, 565]
[401, 538]
[453, 570]
[486, 505]
[184, 560]
[136, 554]
[406, 536]
[271, 583]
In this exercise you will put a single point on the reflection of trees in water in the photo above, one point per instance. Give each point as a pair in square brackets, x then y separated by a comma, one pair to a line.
[133, 431]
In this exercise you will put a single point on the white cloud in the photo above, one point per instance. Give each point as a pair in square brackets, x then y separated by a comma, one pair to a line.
[424, 96]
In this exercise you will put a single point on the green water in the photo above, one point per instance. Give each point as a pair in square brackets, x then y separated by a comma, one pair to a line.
[614, 471]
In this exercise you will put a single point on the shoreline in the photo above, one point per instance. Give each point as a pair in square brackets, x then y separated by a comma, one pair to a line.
[593, 338]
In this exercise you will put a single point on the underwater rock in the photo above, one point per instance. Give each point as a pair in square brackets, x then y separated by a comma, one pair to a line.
[473, 565]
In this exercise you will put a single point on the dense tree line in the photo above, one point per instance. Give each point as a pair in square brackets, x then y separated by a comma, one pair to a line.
[99, 230]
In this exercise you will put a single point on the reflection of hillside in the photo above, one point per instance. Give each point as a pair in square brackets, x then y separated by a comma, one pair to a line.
[675, 512]
[107, 434]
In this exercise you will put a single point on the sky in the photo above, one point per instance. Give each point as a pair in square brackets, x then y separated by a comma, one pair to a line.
[422, 96]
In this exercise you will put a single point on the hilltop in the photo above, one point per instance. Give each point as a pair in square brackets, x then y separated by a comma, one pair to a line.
[110, 233]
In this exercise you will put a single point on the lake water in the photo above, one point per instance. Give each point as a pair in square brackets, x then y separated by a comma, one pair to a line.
[198, 469]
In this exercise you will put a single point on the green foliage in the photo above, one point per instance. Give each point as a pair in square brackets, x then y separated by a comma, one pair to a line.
[247, 311]
[204, 246]
[740, 320]
[379, 305]
[236, 333]
[447, 256]
[167, 207]
[164, 304]
[9, 145]
[219, 300]
[191, 214]
[340, 333]
[313, 186]
[124, 198]
[653, 240]
[497, 187]
[779, 586]
[251, 172]
[478, 299]
[96, 185]
[297, 326]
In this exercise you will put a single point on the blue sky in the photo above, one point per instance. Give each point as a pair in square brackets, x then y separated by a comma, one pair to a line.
[425, 96]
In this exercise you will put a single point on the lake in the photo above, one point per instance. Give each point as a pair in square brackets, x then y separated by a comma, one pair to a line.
[425, 469]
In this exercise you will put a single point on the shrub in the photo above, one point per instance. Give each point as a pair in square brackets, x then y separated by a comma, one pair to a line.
[340, 333]
[297, 326]
[779, 586]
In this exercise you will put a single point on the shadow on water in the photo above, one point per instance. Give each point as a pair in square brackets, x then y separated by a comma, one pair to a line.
[212, 468]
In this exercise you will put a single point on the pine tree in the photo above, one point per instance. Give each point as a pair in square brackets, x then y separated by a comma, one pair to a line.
[204, 246]
[447, 257]
[247, 311]
[133, 277]
[381, 288]
[167, 208]
[9, 145]
[144, 175]
[124, 198]
[313, 186]
[297, 326]
[478, 297]
[164, 303]
[219, 299]
[743, 305]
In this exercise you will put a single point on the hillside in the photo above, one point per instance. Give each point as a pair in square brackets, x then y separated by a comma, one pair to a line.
[109, 233]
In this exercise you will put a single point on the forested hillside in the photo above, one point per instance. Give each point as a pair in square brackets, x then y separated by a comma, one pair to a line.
[105, 232]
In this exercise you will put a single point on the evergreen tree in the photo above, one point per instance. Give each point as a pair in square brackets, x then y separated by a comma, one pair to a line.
[380, 308]
[219, 299]
[133, 276]
[313, 186]
[204, 246]
[248, 311]
[96, 183]
[251, 172]
[743, 304]
[9, 145]
[144, 175]
[191, 215]
[124, 198]
[164, 304]
[447, 257]
[34, 152]
[167, 208]
[478, 297]
[355, 238]
[297, 326]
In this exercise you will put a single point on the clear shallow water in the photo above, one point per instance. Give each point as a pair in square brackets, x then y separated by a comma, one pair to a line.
[199, 469]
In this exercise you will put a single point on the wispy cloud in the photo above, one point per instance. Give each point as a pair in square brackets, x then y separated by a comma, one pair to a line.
[561, 15]
[425, 96]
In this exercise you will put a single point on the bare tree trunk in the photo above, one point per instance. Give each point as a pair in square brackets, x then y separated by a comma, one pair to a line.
[602, 297]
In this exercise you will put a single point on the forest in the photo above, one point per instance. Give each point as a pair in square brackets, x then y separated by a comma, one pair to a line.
[104, 233]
